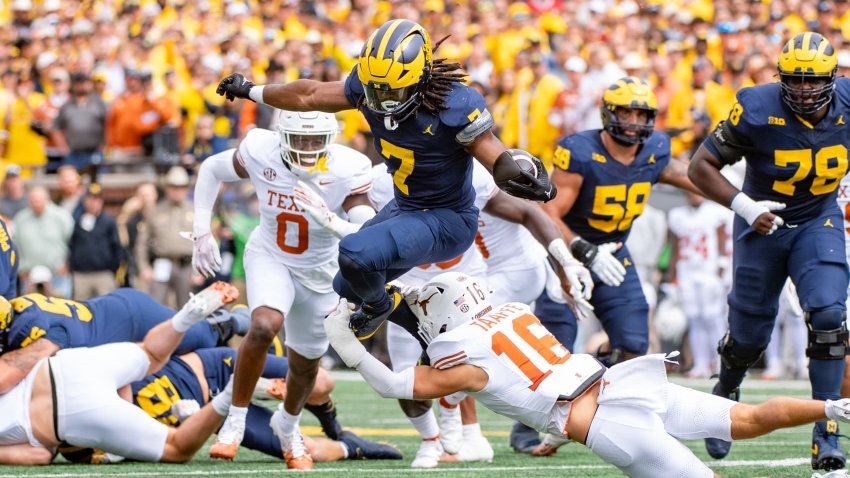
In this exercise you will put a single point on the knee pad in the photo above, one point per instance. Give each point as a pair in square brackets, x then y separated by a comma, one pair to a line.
[826, 341]
[347, 265]
[735, 356]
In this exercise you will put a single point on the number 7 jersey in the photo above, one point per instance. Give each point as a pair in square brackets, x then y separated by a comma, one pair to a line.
[612, 194]
[790, 160]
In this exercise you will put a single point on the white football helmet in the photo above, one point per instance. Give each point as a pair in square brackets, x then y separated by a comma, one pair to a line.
[305, 137]
[671, 323]
[446, 301]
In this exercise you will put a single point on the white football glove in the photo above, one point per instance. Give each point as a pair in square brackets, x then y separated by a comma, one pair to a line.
[206, 258]
[605, 265]
[581, 284]
[339, 333]
[183, 409]
[838, 410]
[314, 205]
[750, 210]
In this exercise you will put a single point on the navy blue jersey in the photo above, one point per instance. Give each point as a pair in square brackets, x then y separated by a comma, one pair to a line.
[429, 165]
[8, 264]
[788, 159]
[124, 315]
[612, 194]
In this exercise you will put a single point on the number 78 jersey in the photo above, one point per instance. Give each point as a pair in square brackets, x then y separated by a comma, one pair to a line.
[529, 370]
[612, 194]
[790, 160]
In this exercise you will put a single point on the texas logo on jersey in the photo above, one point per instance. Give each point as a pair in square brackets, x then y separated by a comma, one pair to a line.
[612, 194]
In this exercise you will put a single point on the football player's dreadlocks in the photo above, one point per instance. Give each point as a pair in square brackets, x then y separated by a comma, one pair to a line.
[443, 75]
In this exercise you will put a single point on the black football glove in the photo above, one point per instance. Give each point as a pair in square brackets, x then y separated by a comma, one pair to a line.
[521, 183]
[234, 86]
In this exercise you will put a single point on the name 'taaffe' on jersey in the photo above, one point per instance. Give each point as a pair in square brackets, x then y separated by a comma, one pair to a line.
[305, 247]
[529, 370]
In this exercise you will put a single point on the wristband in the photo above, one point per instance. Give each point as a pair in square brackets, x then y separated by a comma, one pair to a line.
[256, 94]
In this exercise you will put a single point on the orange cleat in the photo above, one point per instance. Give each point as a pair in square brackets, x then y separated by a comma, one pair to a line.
[301, 462]
[223, 451]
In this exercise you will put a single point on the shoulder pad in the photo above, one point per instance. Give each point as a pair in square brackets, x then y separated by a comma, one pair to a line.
[447, 350]
[464, 105]
[258, 144]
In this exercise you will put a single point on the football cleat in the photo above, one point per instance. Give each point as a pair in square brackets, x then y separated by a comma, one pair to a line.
[523, 438]
[716, 447]
[360, 449]
[550, 445]
[326, 413]
[428, 455]
[451, 428]
[207, 301]
[294, 451]
[826, 452]
[475, 448]
[365, 324]
[227, 441]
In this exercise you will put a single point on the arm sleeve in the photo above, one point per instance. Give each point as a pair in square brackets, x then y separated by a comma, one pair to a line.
[387, 383]
[214, 170]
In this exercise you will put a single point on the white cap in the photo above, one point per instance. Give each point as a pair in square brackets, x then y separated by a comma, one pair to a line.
[843, 57]
[21, 5]
[177, 176]
[576, 64]
[40, 274]
[632, 61]
[236, 8]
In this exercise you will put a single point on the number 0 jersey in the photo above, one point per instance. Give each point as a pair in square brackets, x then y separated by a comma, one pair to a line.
[612, 194]
[789, 160]
[425, 154]
[529, 370]
[307, 249]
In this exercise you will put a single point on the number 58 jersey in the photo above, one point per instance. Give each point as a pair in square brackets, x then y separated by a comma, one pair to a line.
[287, 232]
[612, 194]
[529, 370]
[789, 160]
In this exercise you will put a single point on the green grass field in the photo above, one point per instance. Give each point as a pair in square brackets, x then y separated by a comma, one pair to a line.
[781, 454]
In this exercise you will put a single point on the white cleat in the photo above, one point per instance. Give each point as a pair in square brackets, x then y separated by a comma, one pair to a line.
[229, 438]
[294, 451]
[475, 448]
[428, 455]
[550, 445]
[451, 429]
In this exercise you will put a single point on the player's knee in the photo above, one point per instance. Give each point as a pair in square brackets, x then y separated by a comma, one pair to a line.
[736, 355]
[827, 334]
[324, 385]
[265, 324]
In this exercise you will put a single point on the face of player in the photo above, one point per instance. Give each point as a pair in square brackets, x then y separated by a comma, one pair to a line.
[305, 144]
[806, 90]
[631, 120]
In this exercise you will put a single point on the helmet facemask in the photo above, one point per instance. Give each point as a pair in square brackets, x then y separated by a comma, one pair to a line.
[806, 94]
[305, 139]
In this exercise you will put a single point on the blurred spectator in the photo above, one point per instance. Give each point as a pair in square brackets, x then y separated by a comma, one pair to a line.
[788, 328]
[601, 72]
[13, 197]
[206, 142]
[71, 190]
[25, 143]
[563, 114]
[689, 120]
[39, 281]
[95, 250]
[81, 126]
[45, 115]
[163, 257]
[134, 116]
[42, 231]
[134, 214]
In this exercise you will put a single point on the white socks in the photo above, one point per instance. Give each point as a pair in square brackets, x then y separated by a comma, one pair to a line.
[426, 425]
[289, 423]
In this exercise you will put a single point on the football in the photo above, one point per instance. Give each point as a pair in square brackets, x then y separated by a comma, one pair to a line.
[525, 161]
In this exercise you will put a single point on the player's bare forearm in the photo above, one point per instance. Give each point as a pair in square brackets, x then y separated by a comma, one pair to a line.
[486, 148]
[527, 213]
[704, 172]
[429, 382]
[676, 174]
[24, 455]
[569, 186]
[307, 95]
[750, 421]
[15, 365]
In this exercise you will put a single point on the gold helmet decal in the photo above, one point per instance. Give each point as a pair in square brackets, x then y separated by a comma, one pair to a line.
[807, 67]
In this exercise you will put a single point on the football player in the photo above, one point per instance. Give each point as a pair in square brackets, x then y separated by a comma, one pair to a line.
[519, 271]
[45, 325]
[795, 140]
[629, 415]
[427, 125]
[290, 260]
[73, 396]
[698, 235]
[8, 264]
[606, 176]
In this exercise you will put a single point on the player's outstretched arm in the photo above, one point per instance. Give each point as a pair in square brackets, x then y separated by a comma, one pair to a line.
[15, 365]
[676, 174]
[299, 95]
[750, 421]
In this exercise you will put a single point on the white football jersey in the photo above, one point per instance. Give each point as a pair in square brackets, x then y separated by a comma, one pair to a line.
[528, 369]
[844, 204]
[506, 246]
[15, 426]
[309, 250]
[696, 230]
